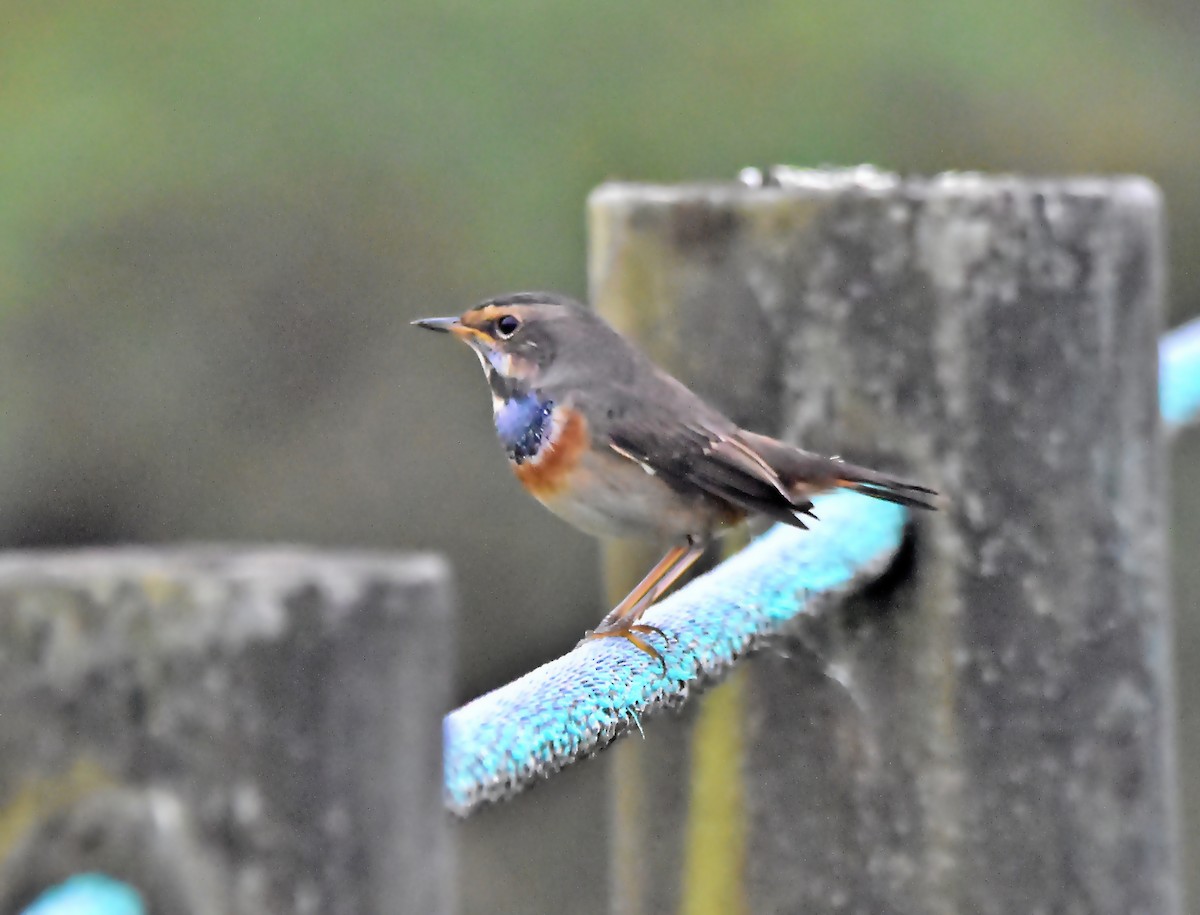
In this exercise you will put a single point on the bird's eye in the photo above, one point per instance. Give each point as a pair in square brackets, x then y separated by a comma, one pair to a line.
[506, 326]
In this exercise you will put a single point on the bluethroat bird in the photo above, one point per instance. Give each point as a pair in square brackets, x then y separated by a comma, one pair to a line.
[613, 444]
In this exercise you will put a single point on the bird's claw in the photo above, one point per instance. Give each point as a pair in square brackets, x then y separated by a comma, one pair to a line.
[633, 632]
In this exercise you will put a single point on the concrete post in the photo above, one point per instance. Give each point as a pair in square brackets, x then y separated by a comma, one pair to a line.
[226, 731]
[998, 735]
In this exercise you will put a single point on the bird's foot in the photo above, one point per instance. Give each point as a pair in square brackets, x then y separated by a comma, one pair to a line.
[634, 633]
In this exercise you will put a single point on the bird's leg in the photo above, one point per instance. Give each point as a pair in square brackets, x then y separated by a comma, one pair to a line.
[672, 575]
[636, 597]
[622, 620]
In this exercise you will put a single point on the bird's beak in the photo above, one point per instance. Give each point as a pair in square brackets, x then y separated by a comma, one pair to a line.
[441, 325]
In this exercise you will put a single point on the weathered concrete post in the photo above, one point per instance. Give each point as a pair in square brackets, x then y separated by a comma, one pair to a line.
[226, 731]
[998, 736]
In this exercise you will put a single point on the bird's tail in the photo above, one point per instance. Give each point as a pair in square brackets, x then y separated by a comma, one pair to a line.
[807, 474]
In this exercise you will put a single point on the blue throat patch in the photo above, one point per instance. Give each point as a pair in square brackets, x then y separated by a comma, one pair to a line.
[522, 424]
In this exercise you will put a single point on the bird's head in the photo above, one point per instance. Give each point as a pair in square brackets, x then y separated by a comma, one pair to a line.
[518, 337]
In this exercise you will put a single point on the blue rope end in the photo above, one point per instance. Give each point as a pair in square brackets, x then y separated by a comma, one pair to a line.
[1179, 375]
[88, 894]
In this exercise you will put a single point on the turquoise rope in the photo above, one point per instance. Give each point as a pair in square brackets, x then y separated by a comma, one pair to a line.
[575, 705]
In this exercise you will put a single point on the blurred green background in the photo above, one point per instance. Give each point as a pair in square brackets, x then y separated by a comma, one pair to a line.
[217, 218]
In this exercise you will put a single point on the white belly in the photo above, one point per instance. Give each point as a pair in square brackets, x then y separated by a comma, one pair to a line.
[614, 497]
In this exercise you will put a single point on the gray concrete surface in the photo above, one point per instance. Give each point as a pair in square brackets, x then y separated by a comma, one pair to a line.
[990, 731]
[230, 731]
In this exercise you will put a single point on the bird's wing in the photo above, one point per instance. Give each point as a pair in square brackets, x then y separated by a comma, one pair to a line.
[696, 456]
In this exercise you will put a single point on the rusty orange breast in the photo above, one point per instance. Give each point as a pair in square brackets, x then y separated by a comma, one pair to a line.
[548, 473]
